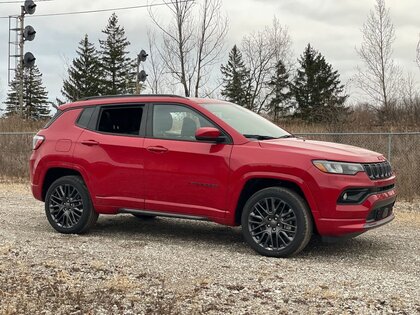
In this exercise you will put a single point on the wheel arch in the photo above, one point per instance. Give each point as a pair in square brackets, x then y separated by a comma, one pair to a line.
[253, 183]
[56, 172]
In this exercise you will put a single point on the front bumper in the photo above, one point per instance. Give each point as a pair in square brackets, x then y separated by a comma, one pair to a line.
[335, 219]
[371, 215]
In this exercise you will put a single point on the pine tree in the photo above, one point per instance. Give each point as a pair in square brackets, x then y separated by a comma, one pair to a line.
[236, 78]
[84, 74]
[115, 65]
[317, 89]
[35, 97]
[280, 92]
[12, 101]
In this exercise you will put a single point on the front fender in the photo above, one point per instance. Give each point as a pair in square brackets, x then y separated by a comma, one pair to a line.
[237, 189]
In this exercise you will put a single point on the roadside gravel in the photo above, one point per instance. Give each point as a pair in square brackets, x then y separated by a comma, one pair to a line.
[167, 266]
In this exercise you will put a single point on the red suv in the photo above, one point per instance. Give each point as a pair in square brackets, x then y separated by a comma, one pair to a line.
[208, 160]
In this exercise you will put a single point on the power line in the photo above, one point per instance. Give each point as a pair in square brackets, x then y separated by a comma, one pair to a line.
[101, 10]
[14, 1]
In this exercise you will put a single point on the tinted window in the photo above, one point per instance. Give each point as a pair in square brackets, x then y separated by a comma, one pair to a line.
[85, 116]
[121, 120]
[177, 122]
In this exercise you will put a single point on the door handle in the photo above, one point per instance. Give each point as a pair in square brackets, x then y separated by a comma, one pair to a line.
[89, 142]
[157, 149]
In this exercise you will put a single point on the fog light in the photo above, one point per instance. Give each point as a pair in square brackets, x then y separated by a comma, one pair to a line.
[353, 195]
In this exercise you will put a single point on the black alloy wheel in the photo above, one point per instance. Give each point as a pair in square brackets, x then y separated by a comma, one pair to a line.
[68, 206]
[276, 222]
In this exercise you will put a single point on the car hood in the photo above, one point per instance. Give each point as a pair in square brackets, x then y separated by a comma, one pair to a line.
[323, 150]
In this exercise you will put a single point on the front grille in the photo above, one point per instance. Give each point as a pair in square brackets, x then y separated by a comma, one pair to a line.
[378, 170]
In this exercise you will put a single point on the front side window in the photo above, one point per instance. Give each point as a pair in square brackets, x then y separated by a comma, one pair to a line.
[120, 120]
[177, 122]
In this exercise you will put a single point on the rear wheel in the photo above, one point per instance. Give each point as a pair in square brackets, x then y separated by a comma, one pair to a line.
[276, 222]
[68, 206]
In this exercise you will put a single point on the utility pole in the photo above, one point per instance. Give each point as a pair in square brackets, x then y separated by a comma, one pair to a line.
[23, 60]
[141, 76]
[20, 64]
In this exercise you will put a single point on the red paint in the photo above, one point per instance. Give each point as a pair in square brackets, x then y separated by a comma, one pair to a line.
[201, 178]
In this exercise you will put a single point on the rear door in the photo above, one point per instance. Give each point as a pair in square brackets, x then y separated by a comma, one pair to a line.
[111, 152]
[183, 175]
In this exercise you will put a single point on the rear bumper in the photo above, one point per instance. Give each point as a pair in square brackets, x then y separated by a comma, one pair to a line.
[37, 191]
[34, 177]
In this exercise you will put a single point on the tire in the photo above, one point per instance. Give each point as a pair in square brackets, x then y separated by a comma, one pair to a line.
[145, 217]
[68, 206]
[276, 222]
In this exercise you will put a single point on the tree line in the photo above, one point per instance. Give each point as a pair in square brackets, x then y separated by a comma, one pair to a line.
[260, 72]
[313, 94]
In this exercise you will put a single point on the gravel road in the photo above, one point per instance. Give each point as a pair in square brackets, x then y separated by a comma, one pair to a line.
[167, 266]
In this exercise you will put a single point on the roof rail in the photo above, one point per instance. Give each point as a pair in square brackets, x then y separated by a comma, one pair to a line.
[128, 96]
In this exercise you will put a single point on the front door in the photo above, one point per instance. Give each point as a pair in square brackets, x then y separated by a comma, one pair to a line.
[183, 175]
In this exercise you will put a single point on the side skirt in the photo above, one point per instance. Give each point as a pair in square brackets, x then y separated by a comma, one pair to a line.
[163, 214]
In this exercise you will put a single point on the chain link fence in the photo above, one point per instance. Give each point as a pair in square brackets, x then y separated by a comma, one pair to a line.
[15, 149]
[401, 149]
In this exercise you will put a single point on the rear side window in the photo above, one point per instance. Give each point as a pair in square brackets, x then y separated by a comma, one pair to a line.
[84, 118]
[121, 120]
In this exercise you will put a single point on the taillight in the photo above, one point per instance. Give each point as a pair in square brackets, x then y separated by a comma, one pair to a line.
[37, 141]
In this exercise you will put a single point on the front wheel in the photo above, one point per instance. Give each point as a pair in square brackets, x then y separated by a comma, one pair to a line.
[68, 206]
[276, 222]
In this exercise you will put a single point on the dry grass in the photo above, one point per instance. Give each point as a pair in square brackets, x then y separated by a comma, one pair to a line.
[16, 124]
[16, 149]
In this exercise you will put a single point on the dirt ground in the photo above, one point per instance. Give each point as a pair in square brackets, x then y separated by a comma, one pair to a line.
[169, 266]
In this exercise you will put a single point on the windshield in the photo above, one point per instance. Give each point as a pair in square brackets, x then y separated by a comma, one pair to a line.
[248, 123]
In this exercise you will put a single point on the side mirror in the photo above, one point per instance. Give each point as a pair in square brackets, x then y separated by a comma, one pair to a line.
[209, 134]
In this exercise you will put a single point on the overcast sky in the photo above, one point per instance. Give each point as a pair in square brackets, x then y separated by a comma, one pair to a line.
[331, 26]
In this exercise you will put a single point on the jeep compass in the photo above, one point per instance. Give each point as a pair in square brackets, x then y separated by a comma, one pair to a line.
[204, 159]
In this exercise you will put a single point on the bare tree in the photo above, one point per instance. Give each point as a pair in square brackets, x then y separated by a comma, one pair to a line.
[418, 54]
[262, 51]
[380, 77]
[409, 106]
[191, 45]
[155, 67]
[213, 30]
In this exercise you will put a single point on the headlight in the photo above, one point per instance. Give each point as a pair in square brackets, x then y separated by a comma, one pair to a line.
[338, 167]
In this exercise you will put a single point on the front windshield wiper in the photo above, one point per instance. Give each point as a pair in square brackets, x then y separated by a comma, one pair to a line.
[259, 137]
[262, 137]
[286, 136]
